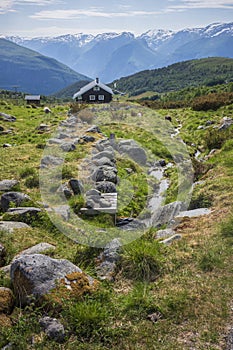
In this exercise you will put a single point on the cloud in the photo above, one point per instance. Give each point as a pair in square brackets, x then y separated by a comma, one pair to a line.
[93, 12]
[201, 4]
[9, 5]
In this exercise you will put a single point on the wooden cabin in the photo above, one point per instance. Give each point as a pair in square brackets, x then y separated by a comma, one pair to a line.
[32, 99]
[94, 92]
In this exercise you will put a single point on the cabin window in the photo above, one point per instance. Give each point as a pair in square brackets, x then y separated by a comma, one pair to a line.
[96, 88]
[92, 97]
[101, 97]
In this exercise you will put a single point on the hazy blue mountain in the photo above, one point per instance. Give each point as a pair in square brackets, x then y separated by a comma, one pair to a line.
[110, 56]
[33, 72]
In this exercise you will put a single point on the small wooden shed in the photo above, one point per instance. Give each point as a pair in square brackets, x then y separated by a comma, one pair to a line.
[94, 92]
[32, 99]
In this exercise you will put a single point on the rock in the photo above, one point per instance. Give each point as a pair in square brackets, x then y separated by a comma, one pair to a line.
[104, 203]
[136, 153]
[63, 135]
[104, 154]
[76, 186]
[55, 141]
[209, 122]
[53, 328]
[2, 255]
[108, 260]
[200, 127]
[16, 198]
[101, 145]
[193, 213]
[168, 117]
[51, 161]
[94, 129]
[36, 275]
[10, 226]
[90, 204]
[165, 233]
[103, 161]
[106, 187]
[162, 162]
[68, 147]
[86, 138]
[63, 211]
[6, 300]
[64, 189]
[36, 249]
[24, 214]
[8, 185]
[7, 117]
[229, 340]
[155, 317]
[226, 123]
[6, 145]
[94, 193]
[171, 239]
[165, 214]
[43, 127]
[105, 173]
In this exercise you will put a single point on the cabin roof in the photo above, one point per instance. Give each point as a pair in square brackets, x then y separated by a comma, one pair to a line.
[32, 97]
[90, 86]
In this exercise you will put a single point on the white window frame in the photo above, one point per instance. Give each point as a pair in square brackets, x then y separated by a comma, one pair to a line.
[91, 97]
[96, 88]
[101, 97]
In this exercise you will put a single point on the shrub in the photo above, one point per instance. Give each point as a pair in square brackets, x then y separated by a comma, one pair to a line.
[32, 181]
[86, 115]
[27, 171]
[142, 260]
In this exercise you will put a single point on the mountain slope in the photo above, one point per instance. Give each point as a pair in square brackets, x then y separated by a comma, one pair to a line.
[203, 71]
[33, 72]
[110, 56]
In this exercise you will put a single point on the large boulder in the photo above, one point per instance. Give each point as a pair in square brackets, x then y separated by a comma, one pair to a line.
[17, 198]
[8, 185]
[10, 226]
[76, 186]
[136, 153]
[34, 276]
[24, 214]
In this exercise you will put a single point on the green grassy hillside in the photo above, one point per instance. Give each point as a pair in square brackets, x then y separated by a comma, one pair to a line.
[175, 297]
[32, 72]
[206, 71]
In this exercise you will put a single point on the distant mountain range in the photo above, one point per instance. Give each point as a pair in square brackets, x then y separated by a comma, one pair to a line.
[32, 72]
[110, 56]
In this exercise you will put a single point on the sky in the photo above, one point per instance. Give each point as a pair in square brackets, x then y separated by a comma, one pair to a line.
[33, 18]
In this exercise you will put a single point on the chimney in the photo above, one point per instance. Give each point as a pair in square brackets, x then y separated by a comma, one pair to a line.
[97, 80]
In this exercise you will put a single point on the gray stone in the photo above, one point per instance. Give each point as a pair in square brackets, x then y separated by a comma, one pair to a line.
[51, 161]
[94, 129]
[65, 190]
[76, 186]
[93, 192]
[106, 187]
[101, 145]
[107, 154]
[86, 138]
[7, 117]
[7, 185]
[16, 198]
[193, 213]
[165, 214]
[136, 153]
[53, 328]
[63, 211]
[10, 226]
[112, 250]
[35, 275]
[36, 249]
[24, 214]
[105, 173]
[6, 145]
[104, 203]
[68, 147]
[103, 161]
[171, 239]
[106, 270]
[165, 233]
[2, 255]
[55, 141]
[226, 123]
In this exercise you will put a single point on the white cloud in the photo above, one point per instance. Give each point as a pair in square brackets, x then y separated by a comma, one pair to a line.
[9, 5]
[202, 4]
[93, 12]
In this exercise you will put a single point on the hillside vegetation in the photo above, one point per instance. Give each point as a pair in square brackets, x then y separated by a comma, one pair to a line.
[32, 72]
[176, 296]
[206, 71]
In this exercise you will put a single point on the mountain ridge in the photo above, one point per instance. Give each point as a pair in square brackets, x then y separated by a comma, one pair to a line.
[92, 55]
